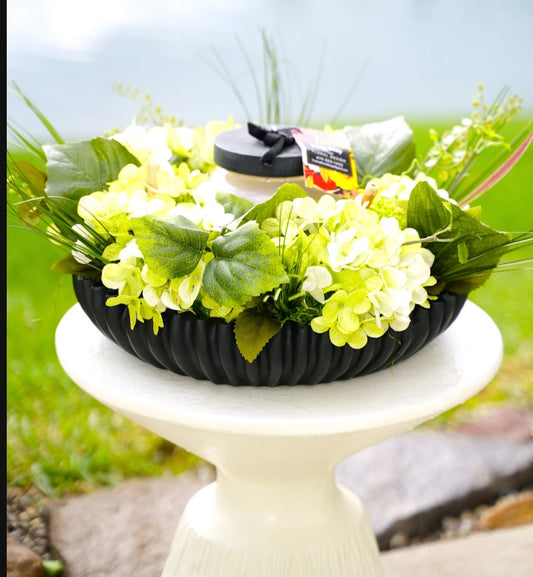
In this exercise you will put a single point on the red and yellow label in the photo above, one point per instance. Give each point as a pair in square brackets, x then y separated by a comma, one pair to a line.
[328, 161]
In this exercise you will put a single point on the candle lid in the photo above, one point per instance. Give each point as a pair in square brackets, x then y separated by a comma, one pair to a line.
[237, 150]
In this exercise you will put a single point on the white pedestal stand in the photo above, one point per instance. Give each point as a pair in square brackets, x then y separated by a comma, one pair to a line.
[275, 509]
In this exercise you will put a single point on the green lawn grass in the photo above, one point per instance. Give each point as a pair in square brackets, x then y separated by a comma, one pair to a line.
[59, 438]
[62, 440]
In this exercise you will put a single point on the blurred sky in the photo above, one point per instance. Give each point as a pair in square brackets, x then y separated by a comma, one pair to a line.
[415, 57]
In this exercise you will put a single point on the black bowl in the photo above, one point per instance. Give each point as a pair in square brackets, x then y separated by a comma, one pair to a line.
[206, 349]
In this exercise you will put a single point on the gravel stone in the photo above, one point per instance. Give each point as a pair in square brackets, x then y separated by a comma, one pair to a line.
[27, 520]
[399, 539]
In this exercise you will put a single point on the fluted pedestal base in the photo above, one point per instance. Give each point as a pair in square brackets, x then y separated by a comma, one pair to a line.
[335, 540]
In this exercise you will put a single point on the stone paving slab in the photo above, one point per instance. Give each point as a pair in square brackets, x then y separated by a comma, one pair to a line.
[499, 553]
[410, 482]
[124, 531]
[404, 483]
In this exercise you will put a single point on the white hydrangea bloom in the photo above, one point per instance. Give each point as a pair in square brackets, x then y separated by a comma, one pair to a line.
[214, 216]
[316, 279]
[399, 187]
[346, 249]
[142, 204]
[147, 144]
[205, 193]
[130, 250]
[80, 254]
[189, 210]
[309, 211]
[185, 137]
[388, 269]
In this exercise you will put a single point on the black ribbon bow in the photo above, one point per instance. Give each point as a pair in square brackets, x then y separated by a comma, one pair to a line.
[276, 138]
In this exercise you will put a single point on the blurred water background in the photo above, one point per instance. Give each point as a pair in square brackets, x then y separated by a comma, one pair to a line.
[420, 58]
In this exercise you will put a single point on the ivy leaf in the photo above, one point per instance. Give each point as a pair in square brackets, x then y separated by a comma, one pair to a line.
[246, 264]
[236, 205]
[381, 147]
[253, 330]
[171, 247]
[268, 208]
[80, 168]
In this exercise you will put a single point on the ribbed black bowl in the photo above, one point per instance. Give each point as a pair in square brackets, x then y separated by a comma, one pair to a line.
[206, 349]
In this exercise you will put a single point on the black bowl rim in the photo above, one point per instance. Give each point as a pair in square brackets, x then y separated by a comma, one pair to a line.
[205, 349]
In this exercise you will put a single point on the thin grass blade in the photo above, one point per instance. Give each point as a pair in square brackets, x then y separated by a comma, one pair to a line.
[44, 121]
[500, 172]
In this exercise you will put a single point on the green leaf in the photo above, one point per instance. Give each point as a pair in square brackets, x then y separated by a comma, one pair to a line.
[253, 329]
[246, 264]
[467, 252]
[484, 249]
[381, 147]
[268, 208]
[81, 168]
[26, 182]
[462, 252]
[426, 211]
[171, 247]
[475, 211]
[32, 176]
[69, 265]
[236, 205]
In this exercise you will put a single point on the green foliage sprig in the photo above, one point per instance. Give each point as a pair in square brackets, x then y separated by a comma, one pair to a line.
[452, 160]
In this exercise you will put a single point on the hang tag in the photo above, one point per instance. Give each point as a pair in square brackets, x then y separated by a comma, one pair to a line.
[328, 161]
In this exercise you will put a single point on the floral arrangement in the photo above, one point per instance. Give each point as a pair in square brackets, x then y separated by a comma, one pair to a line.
[137, 210]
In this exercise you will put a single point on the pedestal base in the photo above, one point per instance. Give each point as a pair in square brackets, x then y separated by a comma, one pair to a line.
[275, 510]
[332, 539]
